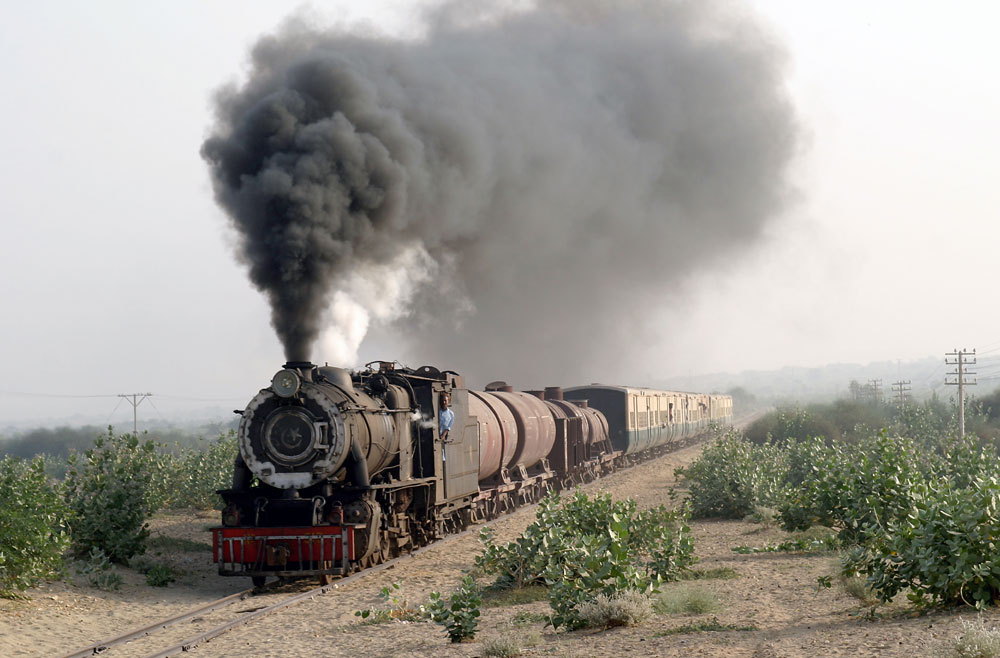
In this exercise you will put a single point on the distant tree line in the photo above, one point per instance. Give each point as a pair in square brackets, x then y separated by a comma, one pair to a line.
[58, 443]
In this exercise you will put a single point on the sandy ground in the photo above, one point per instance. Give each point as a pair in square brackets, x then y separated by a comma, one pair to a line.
[774, 599]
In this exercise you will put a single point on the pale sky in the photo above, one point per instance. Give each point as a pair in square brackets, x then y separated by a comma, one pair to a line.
[117, 272]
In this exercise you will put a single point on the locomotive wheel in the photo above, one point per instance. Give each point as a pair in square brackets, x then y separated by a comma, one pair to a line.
[258, 581]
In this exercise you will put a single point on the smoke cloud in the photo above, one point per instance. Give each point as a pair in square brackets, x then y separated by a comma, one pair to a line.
[514, 194]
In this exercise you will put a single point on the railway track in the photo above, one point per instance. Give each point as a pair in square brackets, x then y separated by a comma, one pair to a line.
[270, 599]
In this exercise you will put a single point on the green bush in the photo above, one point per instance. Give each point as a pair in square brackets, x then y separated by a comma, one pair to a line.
[962, 461]
[857, 489]
[460, 614]
[733, 477]
[110, 495]
[944, 551]
[159, 575]
[792, 423]
[395, 607]
[99, 572]
[32, 521]
[198, 474]
[588, 547]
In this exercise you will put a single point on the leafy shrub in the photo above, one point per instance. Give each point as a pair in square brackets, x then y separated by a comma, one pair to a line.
[962, 461]
[588, 547]
[621, 609]
[32, 518]
[943, 551]
[733, 477]
[109, 495]
[395, 607]
[460, 615]
[99, 572]
[198, 474]
[159, 575]
[792, 423]
[857, 489]
[925, 423]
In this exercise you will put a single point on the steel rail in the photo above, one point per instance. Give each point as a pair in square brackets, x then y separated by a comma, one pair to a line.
[194, 641]
[104, 645]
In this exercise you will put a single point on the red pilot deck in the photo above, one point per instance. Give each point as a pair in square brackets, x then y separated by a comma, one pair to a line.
[295, 551]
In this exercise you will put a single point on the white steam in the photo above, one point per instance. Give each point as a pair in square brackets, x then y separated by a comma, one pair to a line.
[372, 292]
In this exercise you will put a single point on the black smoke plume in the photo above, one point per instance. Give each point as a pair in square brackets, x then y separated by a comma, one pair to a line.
[562, 170]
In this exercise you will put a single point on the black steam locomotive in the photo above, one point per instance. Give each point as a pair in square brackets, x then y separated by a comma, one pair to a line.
[339, 471]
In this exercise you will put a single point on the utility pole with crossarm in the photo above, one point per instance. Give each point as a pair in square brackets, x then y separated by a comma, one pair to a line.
[961, 360]
[135, 399]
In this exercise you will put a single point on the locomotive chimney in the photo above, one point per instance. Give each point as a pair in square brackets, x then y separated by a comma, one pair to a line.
[553, 393]
[304, 368]
[502, 387]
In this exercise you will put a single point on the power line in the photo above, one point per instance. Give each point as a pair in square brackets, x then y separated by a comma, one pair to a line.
[52, 395]
[112, 395]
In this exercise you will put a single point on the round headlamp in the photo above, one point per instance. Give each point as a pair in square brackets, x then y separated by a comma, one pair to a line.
[286, 383]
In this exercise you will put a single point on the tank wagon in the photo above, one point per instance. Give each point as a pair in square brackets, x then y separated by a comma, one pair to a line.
[339, 471]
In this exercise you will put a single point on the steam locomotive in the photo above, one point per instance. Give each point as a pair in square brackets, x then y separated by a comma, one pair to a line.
[339, 471]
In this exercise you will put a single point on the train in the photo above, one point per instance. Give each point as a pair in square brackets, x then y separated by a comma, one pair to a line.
[338, 471]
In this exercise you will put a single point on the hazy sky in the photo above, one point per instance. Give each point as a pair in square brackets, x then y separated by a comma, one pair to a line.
[117, 272]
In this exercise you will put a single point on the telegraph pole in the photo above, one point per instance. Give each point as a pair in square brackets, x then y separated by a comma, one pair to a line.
[901, 389]
[135, 399]
[876, 386]
[961, 360]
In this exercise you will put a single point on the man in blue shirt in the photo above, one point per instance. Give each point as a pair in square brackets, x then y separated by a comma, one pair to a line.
[445, 418]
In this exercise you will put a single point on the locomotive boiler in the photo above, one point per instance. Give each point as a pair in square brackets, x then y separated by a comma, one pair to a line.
[338, 471]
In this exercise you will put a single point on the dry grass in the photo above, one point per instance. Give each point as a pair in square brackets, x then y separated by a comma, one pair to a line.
[622, 609]
[685, 600]
[976, 641]
[856, 587]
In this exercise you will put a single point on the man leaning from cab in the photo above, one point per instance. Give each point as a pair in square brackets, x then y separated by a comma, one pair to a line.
[445, 418]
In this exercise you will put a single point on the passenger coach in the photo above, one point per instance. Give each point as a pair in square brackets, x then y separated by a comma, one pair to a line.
[644, 418]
